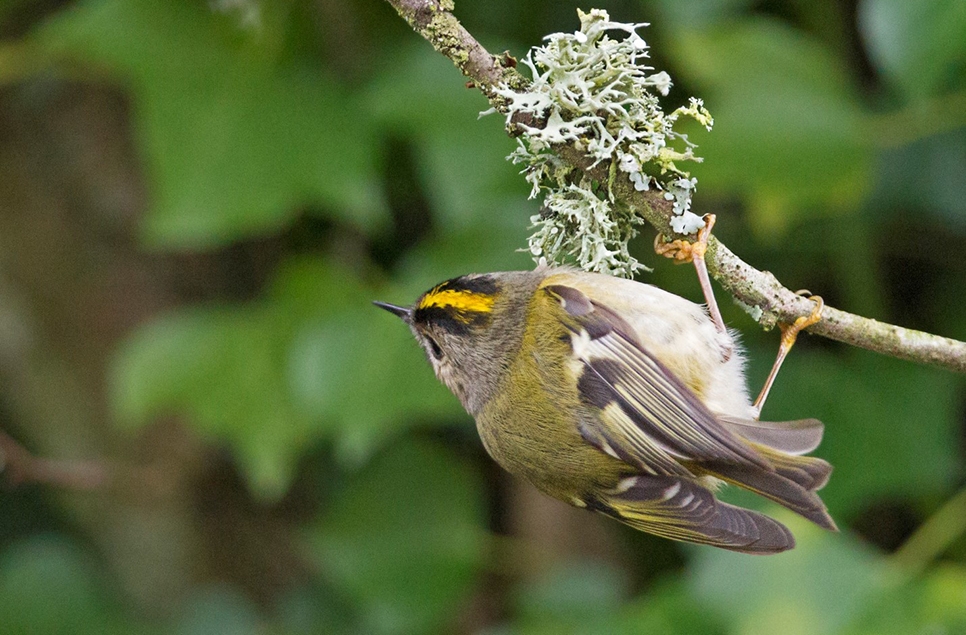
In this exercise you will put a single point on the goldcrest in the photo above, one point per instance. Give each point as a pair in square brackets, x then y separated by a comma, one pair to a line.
[621, 398]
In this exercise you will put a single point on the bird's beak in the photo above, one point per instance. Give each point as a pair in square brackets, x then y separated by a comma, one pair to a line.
[405, 313]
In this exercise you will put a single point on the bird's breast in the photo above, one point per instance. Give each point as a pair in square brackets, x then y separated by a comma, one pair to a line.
[532, 427]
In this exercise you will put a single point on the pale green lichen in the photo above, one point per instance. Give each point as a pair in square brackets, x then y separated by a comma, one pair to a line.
[755, 312]
[597, 93]
[442, 32]
[575, 210]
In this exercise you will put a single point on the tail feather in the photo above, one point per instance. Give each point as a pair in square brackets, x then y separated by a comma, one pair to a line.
[779, 487]
[792, 437]
[794, 479]
[810, 472]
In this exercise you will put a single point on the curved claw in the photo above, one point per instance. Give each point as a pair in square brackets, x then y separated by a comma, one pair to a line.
[790, 331]
[678, 250]
[683, 250]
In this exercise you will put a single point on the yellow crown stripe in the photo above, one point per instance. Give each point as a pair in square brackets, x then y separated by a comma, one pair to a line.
[458, 299]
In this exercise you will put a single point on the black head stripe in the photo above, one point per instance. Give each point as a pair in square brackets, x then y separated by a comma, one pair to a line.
[483, 285]
[448, 319]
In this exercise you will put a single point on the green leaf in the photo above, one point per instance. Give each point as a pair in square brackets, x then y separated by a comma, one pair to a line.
[918, 44]
[233, 144]
[312, 360]
[481, 248]
[366, 375]
[47, 585]
[829, 584]
[223, 368]
[218, 611]
[944, 597]
[405, 539]
[461, 157]
[698, 12]
[789, 132]
[228, 368]
[935, 603]
[573, 594]
[925, 175]
[815, 589]
[313, 609]
[670, 609]
[590, 598]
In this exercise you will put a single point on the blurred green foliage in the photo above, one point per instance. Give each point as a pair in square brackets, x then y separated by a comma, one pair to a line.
[234, 138]
[408, 558]
[837, 161]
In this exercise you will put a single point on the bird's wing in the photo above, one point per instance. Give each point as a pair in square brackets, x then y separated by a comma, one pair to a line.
[648, 417]
[681, 509]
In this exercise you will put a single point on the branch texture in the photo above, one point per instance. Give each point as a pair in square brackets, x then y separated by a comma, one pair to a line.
[433, 19]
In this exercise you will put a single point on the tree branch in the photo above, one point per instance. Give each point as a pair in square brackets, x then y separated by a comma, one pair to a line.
[434, 20]
[20, 466]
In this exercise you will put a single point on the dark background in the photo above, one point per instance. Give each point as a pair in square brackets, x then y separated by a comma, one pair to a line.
[199, 200]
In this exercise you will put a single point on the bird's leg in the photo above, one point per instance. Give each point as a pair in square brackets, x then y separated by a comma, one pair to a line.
[789, 334]
[685, 251]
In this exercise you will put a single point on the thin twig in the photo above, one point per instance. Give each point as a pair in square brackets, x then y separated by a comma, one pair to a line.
[434, 21]
[19, 466]
[933, 537]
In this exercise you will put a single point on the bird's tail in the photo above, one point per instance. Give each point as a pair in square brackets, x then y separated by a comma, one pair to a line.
[792, 483]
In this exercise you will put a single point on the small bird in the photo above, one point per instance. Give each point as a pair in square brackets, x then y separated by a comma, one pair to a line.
[621, 398]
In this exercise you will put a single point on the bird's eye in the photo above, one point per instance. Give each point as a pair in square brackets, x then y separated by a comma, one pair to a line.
[434, 347]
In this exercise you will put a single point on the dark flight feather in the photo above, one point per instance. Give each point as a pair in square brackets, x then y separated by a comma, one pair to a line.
[664, 410]
[648, 418]
[681, 509]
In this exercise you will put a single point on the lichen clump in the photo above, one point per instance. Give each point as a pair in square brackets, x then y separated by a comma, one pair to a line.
[596, 92]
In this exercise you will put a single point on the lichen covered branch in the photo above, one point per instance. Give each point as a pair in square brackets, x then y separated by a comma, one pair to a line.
[759, 290]
[435, 21]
